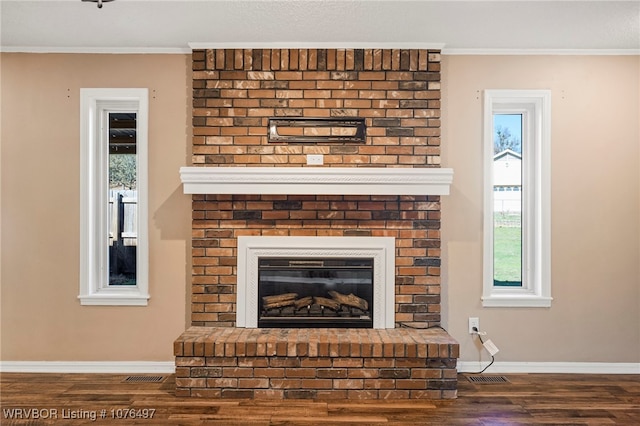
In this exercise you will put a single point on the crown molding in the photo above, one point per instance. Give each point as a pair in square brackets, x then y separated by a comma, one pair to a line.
[316, 45]
[298, 45]
[541, 52]
[98, 50]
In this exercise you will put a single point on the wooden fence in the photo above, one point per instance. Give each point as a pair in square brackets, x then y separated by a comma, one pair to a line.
[123, 217]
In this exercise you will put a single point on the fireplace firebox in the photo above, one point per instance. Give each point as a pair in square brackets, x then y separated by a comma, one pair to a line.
[315, 282]
[315, 292]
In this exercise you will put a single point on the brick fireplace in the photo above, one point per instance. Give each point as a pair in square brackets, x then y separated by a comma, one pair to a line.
[235, 93]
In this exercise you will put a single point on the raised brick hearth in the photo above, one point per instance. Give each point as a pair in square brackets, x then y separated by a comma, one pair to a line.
[235, 92]
[403, 363]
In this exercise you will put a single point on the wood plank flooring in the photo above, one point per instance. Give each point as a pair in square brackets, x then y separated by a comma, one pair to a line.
[527, 399]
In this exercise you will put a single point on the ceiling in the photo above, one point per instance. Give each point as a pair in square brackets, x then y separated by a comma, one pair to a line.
[456, 26]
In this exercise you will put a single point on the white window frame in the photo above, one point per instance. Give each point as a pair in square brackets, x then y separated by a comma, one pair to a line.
[95, 104]
[535, 107]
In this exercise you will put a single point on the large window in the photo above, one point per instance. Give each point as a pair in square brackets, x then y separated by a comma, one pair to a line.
[113, 213]
[517, 199]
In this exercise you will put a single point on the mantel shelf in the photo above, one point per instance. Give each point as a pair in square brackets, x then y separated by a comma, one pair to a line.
[316, 180]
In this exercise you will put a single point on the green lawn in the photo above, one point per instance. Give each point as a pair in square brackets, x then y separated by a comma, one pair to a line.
[507, 255]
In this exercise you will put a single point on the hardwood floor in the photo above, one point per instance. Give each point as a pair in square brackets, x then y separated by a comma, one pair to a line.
[525, 400]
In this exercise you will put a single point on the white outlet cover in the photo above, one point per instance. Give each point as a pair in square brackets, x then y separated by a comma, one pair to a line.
[474, 322]
[315, 159]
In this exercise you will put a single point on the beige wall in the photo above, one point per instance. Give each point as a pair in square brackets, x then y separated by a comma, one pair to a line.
[41, 316]
[595, 196]
[595, 315]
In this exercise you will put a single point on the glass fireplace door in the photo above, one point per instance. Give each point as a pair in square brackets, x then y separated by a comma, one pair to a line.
[315, 292]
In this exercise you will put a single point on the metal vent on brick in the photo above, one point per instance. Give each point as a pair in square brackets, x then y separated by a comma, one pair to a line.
[144, 379]
[317, 130]
[488, 379]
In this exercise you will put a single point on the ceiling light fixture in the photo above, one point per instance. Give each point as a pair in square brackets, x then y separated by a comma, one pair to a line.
[99, 2]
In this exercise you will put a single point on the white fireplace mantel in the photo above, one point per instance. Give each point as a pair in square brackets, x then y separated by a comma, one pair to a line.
[316, 180]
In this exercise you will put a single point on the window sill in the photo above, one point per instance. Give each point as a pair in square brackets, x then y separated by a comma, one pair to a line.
[114, 299]
[516, 301]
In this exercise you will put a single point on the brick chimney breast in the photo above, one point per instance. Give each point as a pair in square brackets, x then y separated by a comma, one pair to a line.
[236, 91]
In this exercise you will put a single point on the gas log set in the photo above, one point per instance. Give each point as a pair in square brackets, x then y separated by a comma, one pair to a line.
[339, 304]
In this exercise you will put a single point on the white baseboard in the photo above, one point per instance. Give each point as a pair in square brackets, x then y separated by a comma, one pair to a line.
[551, 367]
[108, 367]
[168, 367]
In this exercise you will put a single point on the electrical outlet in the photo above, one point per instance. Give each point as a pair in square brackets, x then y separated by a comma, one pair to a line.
[315, 159]
[474, 322]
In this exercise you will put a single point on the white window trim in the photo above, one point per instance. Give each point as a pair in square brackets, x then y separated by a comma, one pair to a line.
[94, 282]
[535, 105]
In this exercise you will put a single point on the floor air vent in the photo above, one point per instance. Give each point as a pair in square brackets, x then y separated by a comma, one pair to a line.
[144, 379]
[488, 379]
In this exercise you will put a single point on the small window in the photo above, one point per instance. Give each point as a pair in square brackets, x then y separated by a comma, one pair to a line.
[113, 214]
[517, 199]
[123, 198]
[507, 208]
